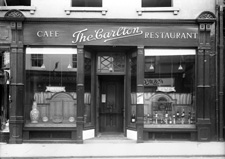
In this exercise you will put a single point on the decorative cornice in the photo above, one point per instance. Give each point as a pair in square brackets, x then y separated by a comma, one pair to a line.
[14, 15]
[206, 17]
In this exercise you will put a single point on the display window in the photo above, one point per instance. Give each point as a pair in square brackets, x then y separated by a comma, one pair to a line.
[51, 86]
[169, 83]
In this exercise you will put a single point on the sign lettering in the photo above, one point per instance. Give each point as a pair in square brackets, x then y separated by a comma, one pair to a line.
[117, 34]
[121, 32]
[158, 81]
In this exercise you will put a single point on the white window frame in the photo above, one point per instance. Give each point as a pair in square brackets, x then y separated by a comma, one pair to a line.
[173, 9]
[68, 10]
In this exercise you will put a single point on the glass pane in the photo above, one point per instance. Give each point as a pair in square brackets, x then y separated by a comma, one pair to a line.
[111, 63]
[86, 3]
[132, 113]
[18, 2]
[51, 88]
[87, 95]
[156, 3]
[169, 90]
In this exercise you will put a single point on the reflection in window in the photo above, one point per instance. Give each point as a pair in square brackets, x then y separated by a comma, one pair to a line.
[86, 3]
[17, 2]
[156, 3]
[36, 60]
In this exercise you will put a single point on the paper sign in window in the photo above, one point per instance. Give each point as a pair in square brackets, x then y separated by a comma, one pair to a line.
[103, 98]
[140, 98]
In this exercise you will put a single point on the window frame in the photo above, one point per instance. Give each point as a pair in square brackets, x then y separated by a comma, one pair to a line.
[37, 59]
[23, 3]
[171, 4]
[85, 3]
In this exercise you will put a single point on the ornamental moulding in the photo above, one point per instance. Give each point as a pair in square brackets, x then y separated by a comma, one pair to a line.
[206, 17]
[14, 15]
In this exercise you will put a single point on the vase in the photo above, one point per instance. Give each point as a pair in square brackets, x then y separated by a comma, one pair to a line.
[34, 113]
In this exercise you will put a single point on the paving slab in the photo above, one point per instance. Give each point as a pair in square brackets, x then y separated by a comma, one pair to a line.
[115, 150]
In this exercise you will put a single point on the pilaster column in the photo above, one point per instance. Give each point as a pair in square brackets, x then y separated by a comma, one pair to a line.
[140, 94]
[16, 118]
[203, 91]
[80, 93]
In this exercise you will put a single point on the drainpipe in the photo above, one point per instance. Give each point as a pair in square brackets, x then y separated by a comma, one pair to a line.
[221, 73]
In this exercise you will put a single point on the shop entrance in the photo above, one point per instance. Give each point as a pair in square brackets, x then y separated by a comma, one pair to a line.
[111, 105]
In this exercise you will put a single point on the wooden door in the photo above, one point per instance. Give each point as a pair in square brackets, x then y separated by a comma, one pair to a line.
[111, 104]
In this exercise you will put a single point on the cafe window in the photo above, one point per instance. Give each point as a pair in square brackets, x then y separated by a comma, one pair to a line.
[36, 60]
[17, 2]
[86, 3]
[51, 88]
[156, 3]
[169, 84]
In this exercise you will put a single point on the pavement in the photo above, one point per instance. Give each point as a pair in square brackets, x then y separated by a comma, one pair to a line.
[116, 150]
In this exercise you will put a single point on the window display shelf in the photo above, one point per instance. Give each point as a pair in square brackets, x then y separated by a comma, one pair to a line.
[170, 126]
[63, 124]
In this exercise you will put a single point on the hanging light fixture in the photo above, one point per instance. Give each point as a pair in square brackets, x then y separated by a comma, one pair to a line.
[151, 67]
[69, 66]
[180, 68]
[43, 66]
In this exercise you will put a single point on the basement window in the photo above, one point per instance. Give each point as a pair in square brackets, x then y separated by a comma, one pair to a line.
[156, 3]
[86, 3]
[17, 2]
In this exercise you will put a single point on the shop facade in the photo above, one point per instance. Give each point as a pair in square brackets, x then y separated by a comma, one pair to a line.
[71, 80]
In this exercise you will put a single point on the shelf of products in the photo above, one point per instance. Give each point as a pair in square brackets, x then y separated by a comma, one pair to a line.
[163, 112]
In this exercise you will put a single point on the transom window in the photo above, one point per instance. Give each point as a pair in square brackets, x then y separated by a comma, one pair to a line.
[86, 3]
[156, 3]
[36, 60]
[17, 2]
[111, 63]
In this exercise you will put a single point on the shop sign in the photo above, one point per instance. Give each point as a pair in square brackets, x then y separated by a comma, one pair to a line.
[158, 81]
[165, 89]
[58, 34]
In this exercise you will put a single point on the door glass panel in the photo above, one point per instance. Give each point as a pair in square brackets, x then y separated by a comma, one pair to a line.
[87, 94]
[132, 113]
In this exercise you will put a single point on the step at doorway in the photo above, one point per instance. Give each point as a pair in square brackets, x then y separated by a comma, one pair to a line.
[110, 137]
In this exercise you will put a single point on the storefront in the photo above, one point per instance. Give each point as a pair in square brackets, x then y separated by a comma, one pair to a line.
[145, 79]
